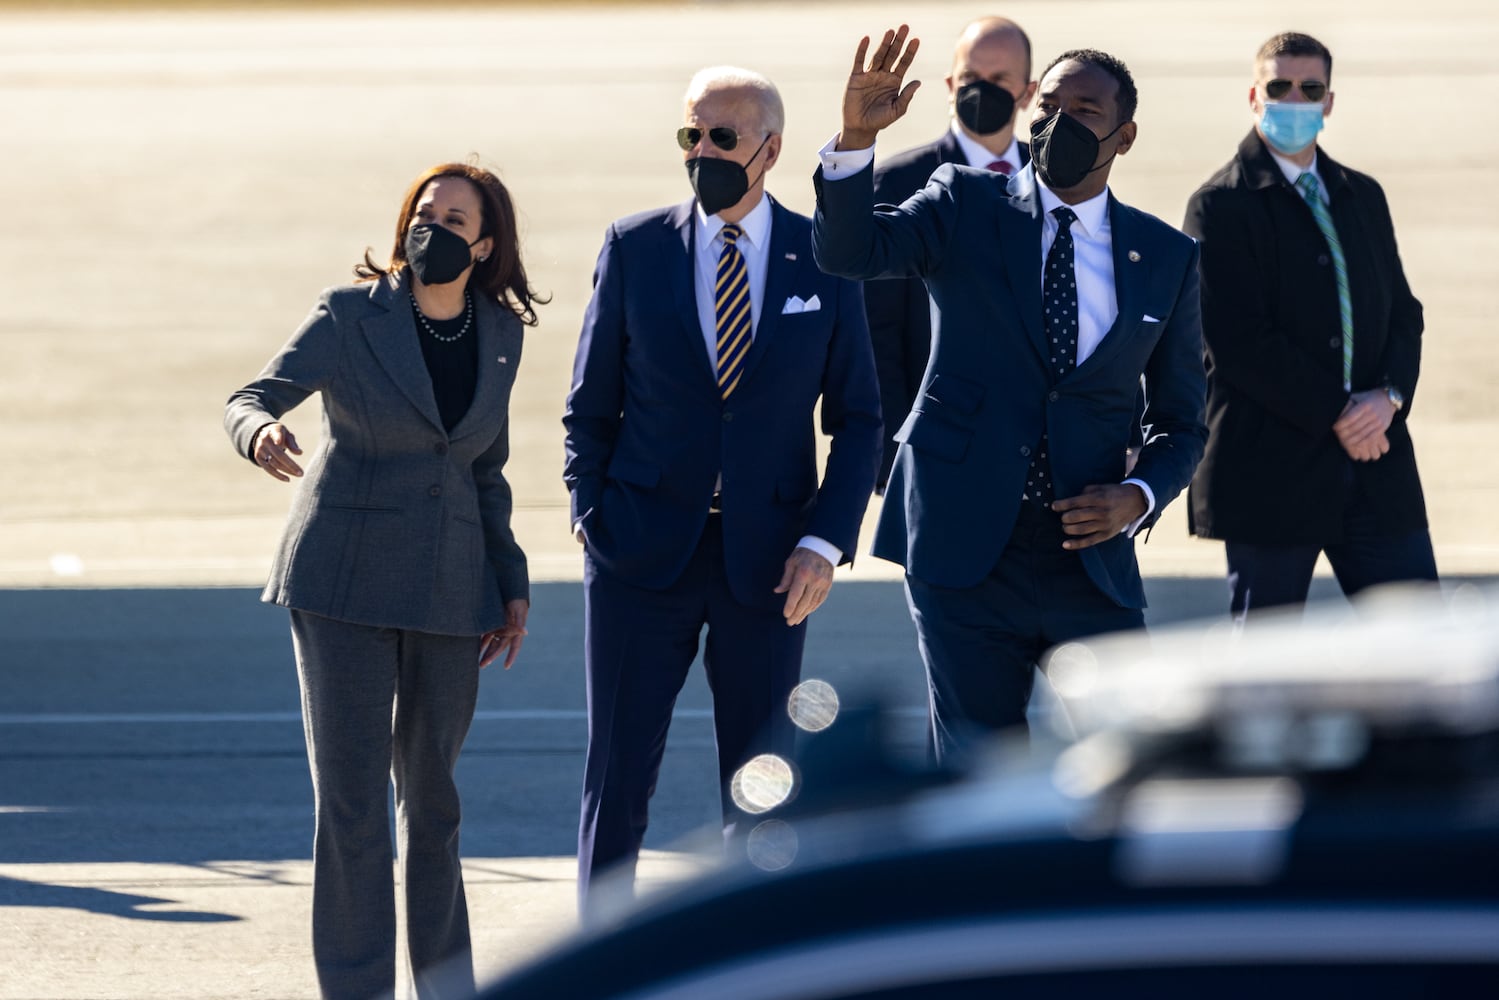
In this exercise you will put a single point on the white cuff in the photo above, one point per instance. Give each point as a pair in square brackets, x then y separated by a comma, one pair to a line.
[828, 551]
[1134, 525]
[838, 164]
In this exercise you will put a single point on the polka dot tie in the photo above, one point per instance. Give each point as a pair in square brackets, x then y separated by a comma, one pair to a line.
[1059, 316]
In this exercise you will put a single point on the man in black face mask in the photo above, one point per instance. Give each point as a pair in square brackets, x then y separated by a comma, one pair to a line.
[988, 85]
[692, 463]
[1009, 504]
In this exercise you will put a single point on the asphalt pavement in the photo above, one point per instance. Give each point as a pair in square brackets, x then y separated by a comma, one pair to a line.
[156, 810]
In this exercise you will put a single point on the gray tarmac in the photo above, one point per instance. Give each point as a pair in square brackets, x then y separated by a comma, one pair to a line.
[184, 183]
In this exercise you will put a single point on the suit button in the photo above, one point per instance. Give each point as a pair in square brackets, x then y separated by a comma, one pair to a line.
[1053, 396]
[1025, 451]
[1323, 259]
[1335, 342]
[440, 447]
[435, 491]
[728, 418]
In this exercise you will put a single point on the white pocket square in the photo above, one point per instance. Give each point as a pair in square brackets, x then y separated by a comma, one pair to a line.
[796, 304]
[1149, 318]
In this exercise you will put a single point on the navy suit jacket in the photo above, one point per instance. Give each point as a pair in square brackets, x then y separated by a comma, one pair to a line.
[899, 311]
[987, 395]
[648, 434]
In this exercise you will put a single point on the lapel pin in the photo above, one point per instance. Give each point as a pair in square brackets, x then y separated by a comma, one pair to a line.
[503, 360]
[791, 256]
[1134, 256]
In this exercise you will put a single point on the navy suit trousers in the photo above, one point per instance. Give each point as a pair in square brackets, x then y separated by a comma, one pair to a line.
[981, 644]
[639, 647]
[1262, 577]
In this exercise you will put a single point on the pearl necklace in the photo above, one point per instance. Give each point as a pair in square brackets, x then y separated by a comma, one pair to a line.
[468, 319]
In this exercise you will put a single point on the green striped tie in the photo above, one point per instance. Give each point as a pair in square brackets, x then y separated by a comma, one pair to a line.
[1307, 183]
[732, 308]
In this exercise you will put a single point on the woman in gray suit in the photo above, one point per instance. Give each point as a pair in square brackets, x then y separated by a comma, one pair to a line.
[398, 563]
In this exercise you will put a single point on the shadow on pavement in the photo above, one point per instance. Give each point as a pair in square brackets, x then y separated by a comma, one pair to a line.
[22, 892]
[163, 725]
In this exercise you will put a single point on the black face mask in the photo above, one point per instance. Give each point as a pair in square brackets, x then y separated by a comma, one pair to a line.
[1063, 150]
[719, 183]
[984, 107]
[437, 255]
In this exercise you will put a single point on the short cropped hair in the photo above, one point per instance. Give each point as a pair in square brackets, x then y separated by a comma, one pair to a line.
[1294, 43]
[772, 111]
[1128, 97]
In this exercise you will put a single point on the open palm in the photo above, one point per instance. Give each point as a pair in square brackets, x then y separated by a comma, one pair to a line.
[874, 97]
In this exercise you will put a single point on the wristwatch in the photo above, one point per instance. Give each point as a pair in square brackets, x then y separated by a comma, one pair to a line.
[1397, 399]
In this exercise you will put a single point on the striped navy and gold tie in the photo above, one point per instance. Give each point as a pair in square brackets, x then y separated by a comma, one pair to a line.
[732, 309]
[1311, 194]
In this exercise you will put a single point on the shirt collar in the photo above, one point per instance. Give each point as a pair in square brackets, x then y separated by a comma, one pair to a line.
[1293, 172]
[980, 157]
[756, 224]
[1092, 215]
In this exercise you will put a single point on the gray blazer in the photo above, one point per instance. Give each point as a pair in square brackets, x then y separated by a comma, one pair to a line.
[397, 523]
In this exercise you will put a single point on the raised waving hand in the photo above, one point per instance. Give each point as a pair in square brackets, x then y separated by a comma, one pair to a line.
[874, 97]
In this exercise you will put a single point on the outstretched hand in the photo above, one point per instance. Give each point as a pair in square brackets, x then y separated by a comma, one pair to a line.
[272, 449]
[874, 97]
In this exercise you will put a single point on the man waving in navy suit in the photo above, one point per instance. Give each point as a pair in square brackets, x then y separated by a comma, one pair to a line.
[988, 86]
[1009, 505]
[691, 458]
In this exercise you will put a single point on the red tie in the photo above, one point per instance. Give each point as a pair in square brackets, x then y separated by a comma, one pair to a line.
[1003, 166]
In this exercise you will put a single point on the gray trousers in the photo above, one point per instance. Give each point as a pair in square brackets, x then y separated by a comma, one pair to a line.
[381, 704]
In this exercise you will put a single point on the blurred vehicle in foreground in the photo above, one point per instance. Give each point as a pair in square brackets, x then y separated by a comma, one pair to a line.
[1308, 808]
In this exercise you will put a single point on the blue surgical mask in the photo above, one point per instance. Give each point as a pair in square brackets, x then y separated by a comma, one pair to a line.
[1290, 128]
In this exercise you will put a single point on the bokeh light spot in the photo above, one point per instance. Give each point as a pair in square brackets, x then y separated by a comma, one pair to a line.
[813, 705]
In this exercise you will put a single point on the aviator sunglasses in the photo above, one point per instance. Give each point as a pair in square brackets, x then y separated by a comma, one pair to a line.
[721, 136]
[1312, 90]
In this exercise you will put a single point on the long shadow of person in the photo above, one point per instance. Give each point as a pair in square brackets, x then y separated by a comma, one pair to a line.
[20, 892]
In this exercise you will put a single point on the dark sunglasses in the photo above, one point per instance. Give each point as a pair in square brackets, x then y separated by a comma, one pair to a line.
[1312, 90]
[721, 136]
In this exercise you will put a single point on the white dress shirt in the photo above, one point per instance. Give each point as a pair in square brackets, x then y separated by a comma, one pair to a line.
[1093, 263]
[754, 247]
[980, 157]
[1092, 238]
[1293, 173]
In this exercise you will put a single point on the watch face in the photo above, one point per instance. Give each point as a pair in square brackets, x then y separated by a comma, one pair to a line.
[1396, 399]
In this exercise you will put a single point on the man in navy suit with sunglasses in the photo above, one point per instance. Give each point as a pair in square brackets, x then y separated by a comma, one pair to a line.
[692, 463]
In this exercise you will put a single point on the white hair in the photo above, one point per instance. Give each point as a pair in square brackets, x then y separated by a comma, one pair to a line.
[772, 111]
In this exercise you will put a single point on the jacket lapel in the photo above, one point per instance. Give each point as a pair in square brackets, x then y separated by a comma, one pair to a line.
[1022, 255]
[1129, 275]
[681, 267]
[496, 367]
[948, 150]
[391, 333]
